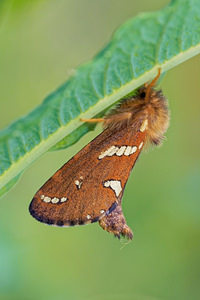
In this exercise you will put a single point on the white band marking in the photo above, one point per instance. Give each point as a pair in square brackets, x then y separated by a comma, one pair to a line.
[109, 152]
[128, 150]
[63, 199]
[144, 125]
[115, 185]
[133, 150]
[55, 200]
[121, 150]
[78, 183]
[47, 199]
[114, 150]
[140, 146]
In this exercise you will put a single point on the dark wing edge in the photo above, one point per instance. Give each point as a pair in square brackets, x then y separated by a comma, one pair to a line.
[60, 223]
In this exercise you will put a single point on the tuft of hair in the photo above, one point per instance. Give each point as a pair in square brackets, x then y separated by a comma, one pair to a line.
[135, 110]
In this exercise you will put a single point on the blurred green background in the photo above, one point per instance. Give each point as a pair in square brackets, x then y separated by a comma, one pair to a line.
[41, 42]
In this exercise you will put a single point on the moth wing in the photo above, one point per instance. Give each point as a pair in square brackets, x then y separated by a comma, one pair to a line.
[91, 184]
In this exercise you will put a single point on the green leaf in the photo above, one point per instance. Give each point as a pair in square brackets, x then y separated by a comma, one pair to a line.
[157, 39]
[9, 185]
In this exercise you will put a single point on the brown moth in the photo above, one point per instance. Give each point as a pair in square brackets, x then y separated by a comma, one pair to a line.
[90, 186]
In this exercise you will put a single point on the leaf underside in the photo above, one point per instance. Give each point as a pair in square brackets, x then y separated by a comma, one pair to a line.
[157, 39]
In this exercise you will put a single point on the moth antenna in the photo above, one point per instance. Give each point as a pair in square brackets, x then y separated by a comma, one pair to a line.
[151, 84]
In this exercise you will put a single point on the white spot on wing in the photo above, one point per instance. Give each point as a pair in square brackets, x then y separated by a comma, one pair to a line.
[144, 125]
[109, 152]
[55, 200]
[121, 151]
[47, 199]
[128, 150]
[88, 217]
[133, 150]
[78, 183]
[42, 197]
[107, 184]
[113, 151]
[63, 199]
[115, 185]
[140, 146]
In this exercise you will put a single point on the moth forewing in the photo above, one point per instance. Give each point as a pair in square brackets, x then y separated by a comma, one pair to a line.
[87, 187]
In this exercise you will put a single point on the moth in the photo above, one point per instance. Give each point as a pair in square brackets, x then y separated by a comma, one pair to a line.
[90, 186]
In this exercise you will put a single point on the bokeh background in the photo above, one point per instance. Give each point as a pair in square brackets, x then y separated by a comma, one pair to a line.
[41, 42]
